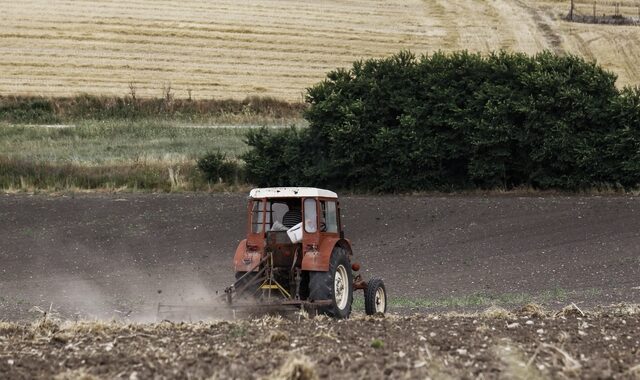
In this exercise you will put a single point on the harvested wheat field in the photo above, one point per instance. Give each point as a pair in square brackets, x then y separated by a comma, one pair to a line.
[527, 343]
[277, 48]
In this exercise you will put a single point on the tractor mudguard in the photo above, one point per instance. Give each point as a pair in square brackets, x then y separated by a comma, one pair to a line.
[244, 261]
[318, 260]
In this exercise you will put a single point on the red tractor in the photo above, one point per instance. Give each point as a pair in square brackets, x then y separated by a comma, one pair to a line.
[296, 254]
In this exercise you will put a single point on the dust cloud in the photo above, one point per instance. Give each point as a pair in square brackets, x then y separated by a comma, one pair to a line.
[133, 296]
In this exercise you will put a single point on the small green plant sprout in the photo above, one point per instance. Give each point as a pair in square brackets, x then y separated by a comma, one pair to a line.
[377, 343]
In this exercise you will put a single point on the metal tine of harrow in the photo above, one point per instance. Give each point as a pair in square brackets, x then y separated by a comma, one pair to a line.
[255, 278]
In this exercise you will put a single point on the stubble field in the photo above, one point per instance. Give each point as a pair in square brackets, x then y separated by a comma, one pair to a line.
[528, 343]
[230, 49]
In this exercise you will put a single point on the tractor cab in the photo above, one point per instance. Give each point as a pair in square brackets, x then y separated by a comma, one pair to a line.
[295, 252]
[285, 220]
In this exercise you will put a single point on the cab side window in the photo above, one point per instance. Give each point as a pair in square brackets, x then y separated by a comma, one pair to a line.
[329, 219]
[257, 215]
[310, 215]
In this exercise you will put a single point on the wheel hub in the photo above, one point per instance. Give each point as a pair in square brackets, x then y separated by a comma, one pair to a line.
[380, 300]
[340, 287]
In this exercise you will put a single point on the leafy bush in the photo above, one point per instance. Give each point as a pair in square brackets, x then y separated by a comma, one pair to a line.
[460, 120]
[282, 157]
[216, 168]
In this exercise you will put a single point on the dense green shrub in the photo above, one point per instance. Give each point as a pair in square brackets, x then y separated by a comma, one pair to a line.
[460, 120]
[281, 157]
[216, 168]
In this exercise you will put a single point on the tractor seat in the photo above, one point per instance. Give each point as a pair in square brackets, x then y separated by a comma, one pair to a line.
[291, 218]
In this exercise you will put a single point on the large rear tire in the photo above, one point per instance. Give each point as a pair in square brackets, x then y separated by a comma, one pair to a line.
[336, 285]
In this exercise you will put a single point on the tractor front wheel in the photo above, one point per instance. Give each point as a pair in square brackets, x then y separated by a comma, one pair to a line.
[375, 297]
[336, 285]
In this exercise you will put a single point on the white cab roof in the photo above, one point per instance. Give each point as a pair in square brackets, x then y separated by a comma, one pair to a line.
[291, 192]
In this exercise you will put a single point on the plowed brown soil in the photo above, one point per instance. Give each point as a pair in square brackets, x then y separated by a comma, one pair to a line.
[115, 257]
[110, 256]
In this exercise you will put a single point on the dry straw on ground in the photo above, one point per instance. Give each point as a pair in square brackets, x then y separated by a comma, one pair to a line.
[543, 345]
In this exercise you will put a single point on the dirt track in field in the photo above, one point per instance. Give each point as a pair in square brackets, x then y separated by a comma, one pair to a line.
[111, 255]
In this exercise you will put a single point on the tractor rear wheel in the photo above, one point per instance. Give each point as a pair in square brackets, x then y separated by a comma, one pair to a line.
[336, 285]
[375, 297]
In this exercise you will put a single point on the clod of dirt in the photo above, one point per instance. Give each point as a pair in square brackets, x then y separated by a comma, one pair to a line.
[513, 362]
[532, 310]
[77, 374]
[496, 312]
[296, 368]
[278, 336]
[570, 311]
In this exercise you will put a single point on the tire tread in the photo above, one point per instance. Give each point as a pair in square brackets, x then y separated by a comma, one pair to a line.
[370, 295]
[321, 284]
